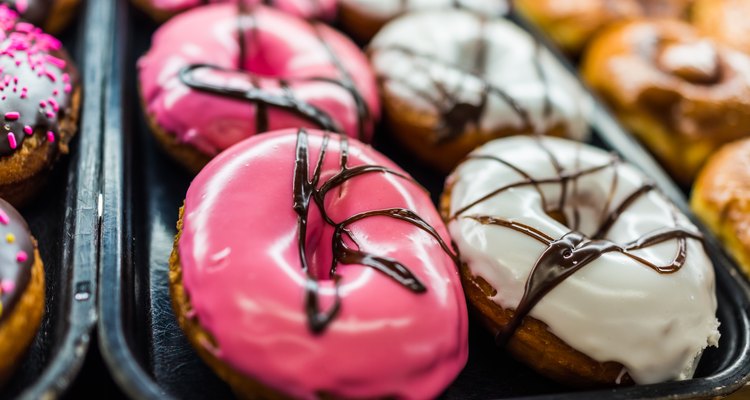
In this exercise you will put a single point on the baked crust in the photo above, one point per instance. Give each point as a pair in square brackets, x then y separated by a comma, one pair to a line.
[416, 131]
[19, 328]
[721, 199]
[360, 26]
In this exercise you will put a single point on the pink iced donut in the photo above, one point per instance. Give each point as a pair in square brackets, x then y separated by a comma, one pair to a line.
[207, 87]
[336, 278]
[308, 9]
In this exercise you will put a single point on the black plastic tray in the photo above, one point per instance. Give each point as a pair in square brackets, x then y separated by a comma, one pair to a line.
[143, 189]
[65, 220]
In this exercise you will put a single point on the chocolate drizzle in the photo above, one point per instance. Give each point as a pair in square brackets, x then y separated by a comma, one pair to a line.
[264, 99]
[574, 250]
[16, 258]
[309, 190]
[456, 116]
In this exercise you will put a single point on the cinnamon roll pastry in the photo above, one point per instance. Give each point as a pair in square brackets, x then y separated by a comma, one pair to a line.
[572, 23]
[681, 94]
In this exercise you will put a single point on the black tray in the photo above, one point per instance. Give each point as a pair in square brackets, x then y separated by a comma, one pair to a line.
[148, 353]
[65, 220]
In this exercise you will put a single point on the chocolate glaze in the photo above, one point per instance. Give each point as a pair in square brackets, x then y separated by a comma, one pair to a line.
[262, 99]
[308, 190]
[15, 275]
[36, 11]
[38, 90]
[568, 254]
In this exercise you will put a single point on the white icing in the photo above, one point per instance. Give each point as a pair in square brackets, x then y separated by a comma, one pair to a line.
[387, 9]
[701, 56]
[454, 39]
[613, 309]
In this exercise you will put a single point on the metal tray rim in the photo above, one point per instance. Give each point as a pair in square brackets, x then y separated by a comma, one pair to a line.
[137, 383]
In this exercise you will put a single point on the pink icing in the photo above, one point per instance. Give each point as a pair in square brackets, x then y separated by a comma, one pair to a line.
[241, 268]
[317, 9]
[277, 46]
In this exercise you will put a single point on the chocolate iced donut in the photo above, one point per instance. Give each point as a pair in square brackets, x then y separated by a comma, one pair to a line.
[21, 289]
[39, 99]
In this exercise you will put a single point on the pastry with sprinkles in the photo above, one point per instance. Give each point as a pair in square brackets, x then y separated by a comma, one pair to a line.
[21, 289]
[39, 104]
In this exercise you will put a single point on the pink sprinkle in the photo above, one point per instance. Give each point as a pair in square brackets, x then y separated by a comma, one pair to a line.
[50, 75]
[22, 6]
[18, 63]
[55, 92]
[57, 62]
[54, 104]
[50, 114]
[50, 137]
[42, 104]
[15, 80]
[7, 285]
[68, 88]
[27, 129]
[22, 256]
[4, 217]
[12, 141]
[66, 77]
[12, 116]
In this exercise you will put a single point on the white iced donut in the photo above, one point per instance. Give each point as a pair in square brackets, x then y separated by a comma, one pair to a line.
[363, 18]
[570, 236]
[452, 80]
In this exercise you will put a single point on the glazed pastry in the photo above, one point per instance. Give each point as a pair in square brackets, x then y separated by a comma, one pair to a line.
[452, 80]
[682, 95]
[317, 286]
[725, 21]
[362, 19]
[21, 289]
[571, 24]
[39, 100]
[251, 70]
[161, 10]
[721, 198]
[579, 265]
[52, 15]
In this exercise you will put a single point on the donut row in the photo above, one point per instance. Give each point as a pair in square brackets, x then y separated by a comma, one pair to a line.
[40, 95]
[308, 265]
[677, 74]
